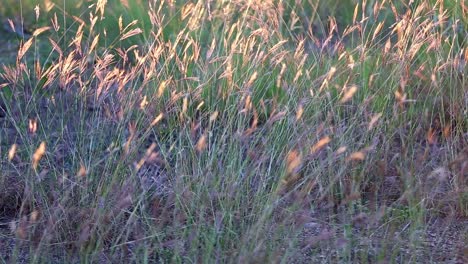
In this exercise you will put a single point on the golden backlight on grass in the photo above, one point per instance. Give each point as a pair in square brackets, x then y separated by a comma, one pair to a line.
[148, 153]
[24, 47]
[157, 119]
[349, 93]
[299, 112]
[447, 131]
[377, 30]
[39, 31]
[48, 4]
[100, 7]
[293, 162]
[38, 154]
[201, 143]
[144, 102]
[34, 216]
[252, 79]
[375, 118]
[431, 136]
[162, 88]
[327, 79]
[82, 171]
[341, 150]
[357, 156]
[32, 127]
[12, 25]
[12, 151]
[184, 107]
[213, 116]
[131, 33]
[292, 176]
[320, 145]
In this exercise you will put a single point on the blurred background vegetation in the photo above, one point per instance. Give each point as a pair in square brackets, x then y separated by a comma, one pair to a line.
[313, 14]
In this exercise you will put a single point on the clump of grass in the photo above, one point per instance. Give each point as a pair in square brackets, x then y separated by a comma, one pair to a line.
[232, 131]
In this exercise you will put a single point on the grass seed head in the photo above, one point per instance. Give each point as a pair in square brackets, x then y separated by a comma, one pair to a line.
[201, 143]
[38, 154]
[357, 156]
[293, 162]
[349, 94]
[12, 152]
[320, 144]
[82, 171]
[299, 112]
[32, 126]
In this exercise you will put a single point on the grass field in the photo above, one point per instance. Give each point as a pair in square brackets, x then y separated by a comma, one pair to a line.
[240, 131]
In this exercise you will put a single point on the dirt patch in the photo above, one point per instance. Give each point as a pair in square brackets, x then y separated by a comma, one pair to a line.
[441, 241]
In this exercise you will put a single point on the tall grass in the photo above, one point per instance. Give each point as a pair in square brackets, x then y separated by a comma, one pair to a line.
[236, 131]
